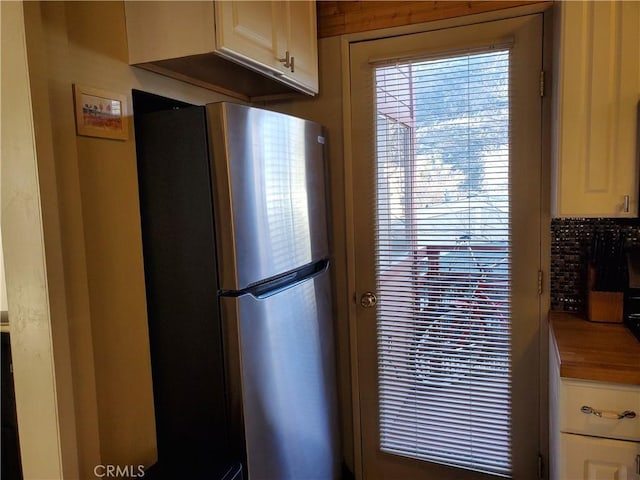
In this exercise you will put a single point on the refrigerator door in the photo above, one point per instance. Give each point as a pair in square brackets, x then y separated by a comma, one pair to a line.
[269, 192]
[282, 380]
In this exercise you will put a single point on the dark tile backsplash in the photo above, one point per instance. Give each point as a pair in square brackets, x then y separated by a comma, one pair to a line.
[571, 246]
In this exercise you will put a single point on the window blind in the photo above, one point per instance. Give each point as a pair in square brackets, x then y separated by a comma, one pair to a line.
[443, 260]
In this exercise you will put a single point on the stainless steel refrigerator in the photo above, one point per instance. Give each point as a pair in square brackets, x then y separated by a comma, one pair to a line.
[236, 257]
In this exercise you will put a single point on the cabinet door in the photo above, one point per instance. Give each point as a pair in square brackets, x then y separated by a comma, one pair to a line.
[276, 38]
[598, 88]
[302, 43]
[248, 33]
[592, 458]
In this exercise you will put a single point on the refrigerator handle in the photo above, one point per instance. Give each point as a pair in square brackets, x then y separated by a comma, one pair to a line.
[277, 284]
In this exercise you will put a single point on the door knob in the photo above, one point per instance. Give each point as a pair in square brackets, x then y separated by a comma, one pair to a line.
[368, 300]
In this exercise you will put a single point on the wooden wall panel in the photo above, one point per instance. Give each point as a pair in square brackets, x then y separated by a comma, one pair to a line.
[341, 17]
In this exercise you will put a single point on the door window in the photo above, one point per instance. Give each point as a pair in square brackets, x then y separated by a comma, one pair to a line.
[443, 259]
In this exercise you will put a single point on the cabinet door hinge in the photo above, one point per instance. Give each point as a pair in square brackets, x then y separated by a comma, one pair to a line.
[540, 467]
[540, 282]
[542, 83]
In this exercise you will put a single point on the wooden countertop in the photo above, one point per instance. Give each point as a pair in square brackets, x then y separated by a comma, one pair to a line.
[604, 352]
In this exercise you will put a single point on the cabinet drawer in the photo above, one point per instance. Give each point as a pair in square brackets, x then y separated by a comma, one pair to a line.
[605, 397]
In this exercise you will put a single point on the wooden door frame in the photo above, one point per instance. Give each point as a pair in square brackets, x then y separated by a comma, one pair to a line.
[545, 217]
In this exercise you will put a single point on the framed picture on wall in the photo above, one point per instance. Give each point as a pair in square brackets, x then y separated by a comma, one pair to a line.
[100, 113]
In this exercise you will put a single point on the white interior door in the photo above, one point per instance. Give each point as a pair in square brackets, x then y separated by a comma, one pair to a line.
[446, 166]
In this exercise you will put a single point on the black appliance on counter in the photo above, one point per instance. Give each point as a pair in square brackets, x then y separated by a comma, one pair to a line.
[632, 294]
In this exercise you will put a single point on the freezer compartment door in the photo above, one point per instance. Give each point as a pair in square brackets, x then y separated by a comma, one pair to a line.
[283, 381]
[269, 193]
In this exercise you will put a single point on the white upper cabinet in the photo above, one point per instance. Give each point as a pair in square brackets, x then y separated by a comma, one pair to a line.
[280, 37]
[302, 42]
[597, 91]
[204, 43]
[163, 30]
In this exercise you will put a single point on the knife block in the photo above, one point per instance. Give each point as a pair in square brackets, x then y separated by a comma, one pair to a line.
[602, 306]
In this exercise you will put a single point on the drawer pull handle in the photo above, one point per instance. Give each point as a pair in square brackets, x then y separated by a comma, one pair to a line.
[605, 414]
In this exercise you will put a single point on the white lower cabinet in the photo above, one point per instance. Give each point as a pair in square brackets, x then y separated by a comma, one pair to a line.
[593, 458]
[594, 428]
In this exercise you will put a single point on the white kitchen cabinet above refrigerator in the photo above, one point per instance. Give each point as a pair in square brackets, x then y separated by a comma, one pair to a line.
[248, 50]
